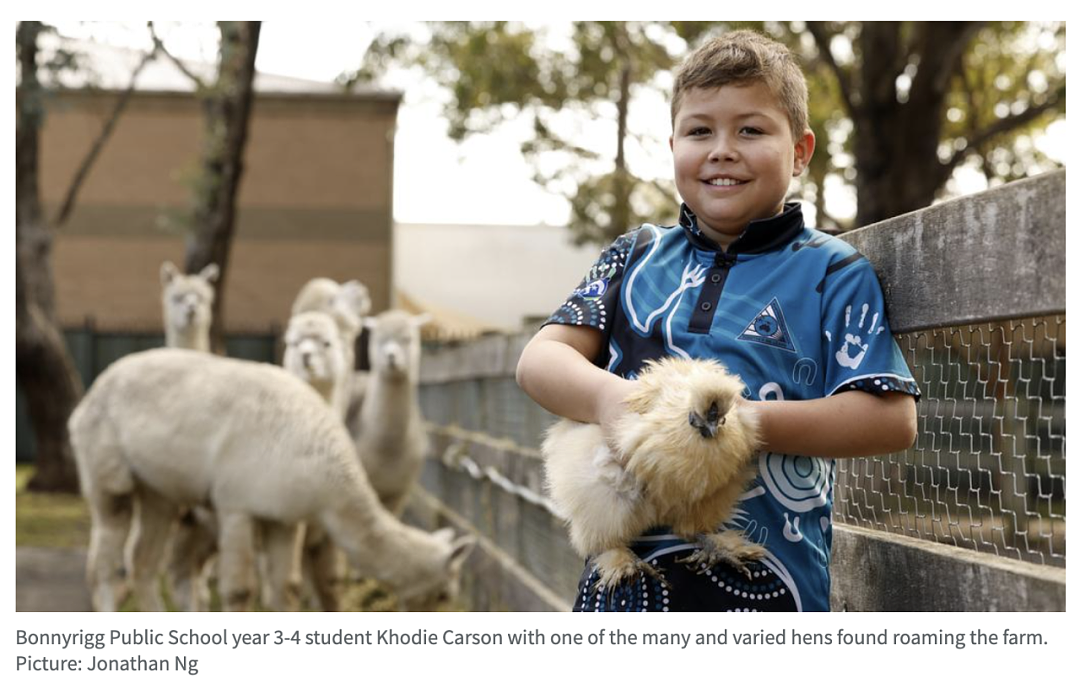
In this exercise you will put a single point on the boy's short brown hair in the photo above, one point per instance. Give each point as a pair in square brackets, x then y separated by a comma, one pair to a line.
[743, 56]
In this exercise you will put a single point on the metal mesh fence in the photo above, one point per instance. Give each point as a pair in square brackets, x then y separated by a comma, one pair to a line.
[988, 469]
[493, 406]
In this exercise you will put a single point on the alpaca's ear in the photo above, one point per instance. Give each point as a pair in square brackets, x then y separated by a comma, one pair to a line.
[355, 294]
[210, 272]
[422, 320]
[168, 273]
[370, 323]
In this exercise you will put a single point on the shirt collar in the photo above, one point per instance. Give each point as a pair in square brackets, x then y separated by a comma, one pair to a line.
[759, 237]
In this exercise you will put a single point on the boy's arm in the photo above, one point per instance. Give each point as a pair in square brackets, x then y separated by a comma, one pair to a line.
[848, 424]
[556, 369]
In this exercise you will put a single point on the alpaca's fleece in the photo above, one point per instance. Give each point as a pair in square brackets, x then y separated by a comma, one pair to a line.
[348, 303]
[683, 457]
[388, 429]
[253, 442]
[187, 304]
[315, 353]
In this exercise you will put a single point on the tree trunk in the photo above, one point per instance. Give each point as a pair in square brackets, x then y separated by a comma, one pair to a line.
[43, 367]
[48, 379]
[620, 216]
[896, 142]
[227, 107]
[621, 187]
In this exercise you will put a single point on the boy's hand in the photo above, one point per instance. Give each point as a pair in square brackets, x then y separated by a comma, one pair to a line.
[611, 405]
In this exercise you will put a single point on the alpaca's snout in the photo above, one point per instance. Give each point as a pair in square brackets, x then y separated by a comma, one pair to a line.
[395, 358]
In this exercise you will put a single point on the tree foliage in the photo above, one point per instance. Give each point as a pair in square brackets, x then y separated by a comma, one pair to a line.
[897, 106]
[500, 71]
[925, 98]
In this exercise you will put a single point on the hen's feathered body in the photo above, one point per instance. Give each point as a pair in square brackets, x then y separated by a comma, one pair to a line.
[682, 458]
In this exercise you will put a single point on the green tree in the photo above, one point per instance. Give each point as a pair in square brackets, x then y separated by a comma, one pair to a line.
[497, 71]
[897, 107]
[926, 97]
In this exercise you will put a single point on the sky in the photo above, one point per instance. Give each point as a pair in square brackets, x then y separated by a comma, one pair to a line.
[484, 180]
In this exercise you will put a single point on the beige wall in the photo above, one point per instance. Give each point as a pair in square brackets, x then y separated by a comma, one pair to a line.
[316, 199]
[115, 280]
[498, 274]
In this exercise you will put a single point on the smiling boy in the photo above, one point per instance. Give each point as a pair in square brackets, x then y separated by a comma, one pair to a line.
[797, 314]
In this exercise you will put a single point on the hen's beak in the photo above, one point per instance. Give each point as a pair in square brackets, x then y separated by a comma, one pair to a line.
[708, 425]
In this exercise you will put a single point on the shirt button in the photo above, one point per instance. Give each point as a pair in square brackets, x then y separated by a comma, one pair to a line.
[706, 306]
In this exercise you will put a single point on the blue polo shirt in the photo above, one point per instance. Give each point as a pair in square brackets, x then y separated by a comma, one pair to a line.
[797, 314]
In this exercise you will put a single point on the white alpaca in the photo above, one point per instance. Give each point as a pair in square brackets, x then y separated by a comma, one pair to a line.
[324, 294]
[347, 304]
[169, 427]
[187, 302]
[315, 353]
[387, 427]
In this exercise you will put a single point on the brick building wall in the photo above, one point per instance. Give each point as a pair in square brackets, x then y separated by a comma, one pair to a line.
[315, 199]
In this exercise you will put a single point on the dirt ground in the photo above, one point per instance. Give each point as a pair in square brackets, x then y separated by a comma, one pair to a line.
[50, 580]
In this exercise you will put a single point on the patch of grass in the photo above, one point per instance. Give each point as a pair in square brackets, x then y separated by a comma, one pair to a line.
[367, 596]
[48, 520]
[52, 520]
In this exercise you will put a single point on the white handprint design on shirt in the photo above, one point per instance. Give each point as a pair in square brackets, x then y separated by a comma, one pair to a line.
[853, 348]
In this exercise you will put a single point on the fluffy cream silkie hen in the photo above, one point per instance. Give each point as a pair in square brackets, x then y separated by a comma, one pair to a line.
[683, 457]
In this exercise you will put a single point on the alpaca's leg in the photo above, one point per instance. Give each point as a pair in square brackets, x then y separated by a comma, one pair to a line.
[325, 566]
[110, 522]
[236, 560]
[282, 544]
[153, 522]
[194, 543]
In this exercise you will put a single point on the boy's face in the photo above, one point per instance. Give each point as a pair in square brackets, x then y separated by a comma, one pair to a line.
[735, 156]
